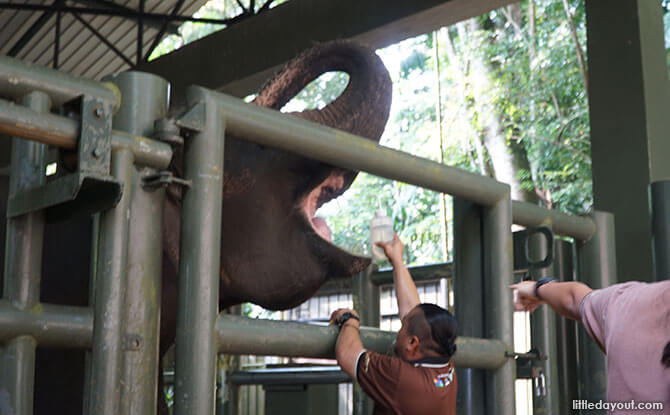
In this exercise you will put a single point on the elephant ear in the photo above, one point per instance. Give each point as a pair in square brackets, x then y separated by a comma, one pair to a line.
[362, 109]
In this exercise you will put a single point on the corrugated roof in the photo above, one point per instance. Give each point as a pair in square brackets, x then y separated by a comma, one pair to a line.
[31, 34]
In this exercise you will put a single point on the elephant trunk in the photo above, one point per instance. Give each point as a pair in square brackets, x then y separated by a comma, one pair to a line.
[363, 107]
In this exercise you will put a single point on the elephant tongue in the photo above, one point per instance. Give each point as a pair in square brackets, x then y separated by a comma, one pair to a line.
[322, 228]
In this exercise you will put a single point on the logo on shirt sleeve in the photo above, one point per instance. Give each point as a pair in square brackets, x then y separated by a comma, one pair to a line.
[444, 379]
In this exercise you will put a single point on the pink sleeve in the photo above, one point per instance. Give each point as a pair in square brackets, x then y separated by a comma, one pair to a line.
[593, 313]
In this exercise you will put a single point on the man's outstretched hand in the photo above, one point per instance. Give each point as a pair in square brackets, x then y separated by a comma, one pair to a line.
[393, 249]
[524, 296]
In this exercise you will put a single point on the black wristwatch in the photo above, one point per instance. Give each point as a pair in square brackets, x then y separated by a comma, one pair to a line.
[541, 282]
[344, 317]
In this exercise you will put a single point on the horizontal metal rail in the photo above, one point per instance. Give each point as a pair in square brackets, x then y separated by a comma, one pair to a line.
[290, 376]
[51, 325]
[241, 335]
[19, 78]
[271, 128]
[19, 121]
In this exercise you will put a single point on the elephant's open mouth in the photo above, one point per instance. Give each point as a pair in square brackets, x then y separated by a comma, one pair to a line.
[326, 191]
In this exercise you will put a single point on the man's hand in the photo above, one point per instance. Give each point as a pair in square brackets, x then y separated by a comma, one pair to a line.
[524, 296]
[335, 316]
[393, 249]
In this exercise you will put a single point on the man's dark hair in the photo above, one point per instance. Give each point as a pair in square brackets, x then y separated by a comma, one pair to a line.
[439, 334]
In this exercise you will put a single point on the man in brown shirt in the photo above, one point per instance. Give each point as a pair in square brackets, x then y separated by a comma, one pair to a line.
[630, 322]
[421, 378]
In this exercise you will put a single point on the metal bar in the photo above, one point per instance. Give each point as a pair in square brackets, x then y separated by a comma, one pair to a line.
[145, 100]
[198, 285]
[140, 35]
[50, 325]
[497, 222]
[19, 78]
[109, 300]
[272, 128]
[173, 27]
[162, 30]
[118, 13]
[660, 228]
[365, 297]
[32, 30]
[566, 333]
[528, 214]
[543, 334]
[419, 273]
[64, 132]
[290, 376]
[468, 299]
[597, 269]
[241, 335]
[56, 64]
[23, 259]
[104, 40]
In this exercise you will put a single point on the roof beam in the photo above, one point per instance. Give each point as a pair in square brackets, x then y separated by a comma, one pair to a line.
[239, 58]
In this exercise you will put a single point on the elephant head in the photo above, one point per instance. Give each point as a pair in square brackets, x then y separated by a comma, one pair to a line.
[275, 251]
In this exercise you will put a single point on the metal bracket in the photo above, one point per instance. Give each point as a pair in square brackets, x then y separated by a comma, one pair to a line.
[522, 260]
[163, 179]
[193, 118]
[91, 188]
[166, 129]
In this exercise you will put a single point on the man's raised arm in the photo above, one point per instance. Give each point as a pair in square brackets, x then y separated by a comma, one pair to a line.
[405, 289]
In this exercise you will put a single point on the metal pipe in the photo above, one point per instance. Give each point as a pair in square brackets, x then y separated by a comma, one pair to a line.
[23, 259]
[290, 376]
[145, 100]
[659, 195]
[566, 333]
[272, 128]
[419, 273]
[64, 132]
[543, 334]
[597, 269]
[109, 300]
[365, 296]
[51, 325]
[468, 299]
[18, 78]
[528, 214]
[241, 335]
[497, 223]
[199, 269]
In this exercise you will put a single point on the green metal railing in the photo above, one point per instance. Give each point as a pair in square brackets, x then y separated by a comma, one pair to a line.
[123, 354]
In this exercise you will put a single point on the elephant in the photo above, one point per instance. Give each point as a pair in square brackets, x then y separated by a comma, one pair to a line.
[275, 251]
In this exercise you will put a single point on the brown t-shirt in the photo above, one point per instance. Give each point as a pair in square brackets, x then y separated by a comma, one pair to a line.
[404, 388]
[630, 322]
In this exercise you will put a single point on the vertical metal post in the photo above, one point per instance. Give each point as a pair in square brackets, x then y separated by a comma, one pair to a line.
[144, 100]
[468, 298]
[365, 297]
[543, 336]
[199, 266]
[497, 223]
[109, 295]
[228, 396]
[597, 269]
[23, 265]
[659, 195]
[566, 333]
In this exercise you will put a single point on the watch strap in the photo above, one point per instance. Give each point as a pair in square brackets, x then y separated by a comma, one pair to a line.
[344, 317]
[541, 282]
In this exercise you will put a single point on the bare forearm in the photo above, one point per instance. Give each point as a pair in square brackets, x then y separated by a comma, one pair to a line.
[406, 293]
[564, 297]
[348, 347]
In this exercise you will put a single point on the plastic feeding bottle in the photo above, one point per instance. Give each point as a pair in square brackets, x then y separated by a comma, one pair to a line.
[381, 230]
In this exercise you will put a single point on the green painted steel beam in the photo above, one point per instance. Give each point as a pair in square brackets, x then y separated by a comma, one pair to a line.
[18, 78]
[64, 132]
[50, 325]
[23, 259]
[199, 263]
[241, 335]
[527, 214]
[145, 101]
[272, 128]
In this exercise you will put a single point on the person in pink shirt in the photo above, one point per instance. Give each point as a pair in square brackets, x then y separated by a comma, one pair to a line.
[630, 322]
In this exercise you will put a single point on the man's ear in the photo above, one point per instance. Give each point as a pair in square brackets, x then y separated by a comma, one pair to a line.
[413, 345]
